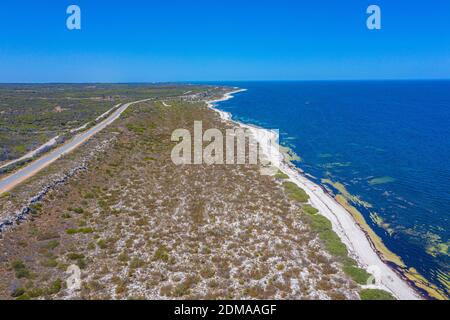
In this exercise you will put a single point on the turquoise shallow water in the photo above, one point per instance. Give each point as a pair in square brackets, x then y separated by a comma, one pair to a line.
[388, 142]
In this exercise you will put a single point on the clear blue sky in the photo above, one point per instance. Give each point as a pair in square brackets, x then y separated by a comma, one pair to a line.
[166, 40]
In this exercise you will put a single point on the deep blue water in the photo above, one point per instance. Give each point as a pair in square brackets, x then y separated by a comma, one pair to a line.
[354, 132]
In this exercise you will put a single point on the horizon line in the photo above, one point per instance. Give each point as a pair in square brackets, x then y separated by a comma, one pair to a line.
[209, 81]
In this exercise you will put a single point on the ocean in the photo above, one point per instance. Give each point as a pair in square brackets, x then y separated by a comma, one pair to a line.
[386, 142]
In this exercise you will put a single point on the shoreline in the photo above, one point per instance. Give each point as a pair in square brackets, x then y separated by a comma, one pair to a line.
[356, 239]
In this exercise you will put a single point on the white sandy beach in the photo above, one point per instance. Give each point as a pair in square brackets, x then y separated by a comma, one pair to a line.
[344, 225]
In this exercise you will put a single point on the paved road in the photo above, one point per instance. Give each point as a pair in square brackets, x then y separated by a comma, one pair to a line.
[9, 182]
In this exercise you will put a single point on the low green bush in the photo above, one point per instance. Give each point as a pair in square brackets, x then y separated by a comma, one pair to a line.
[20, 269]
[5, 195]
[50, 263]
[334, 246]
[375, 294]
[309, 209]
[357, 274]
[161, 254]
[80, 230]
[55, 287]
[320, 223]
[86, 230]
[136, 128]
[333, 243]
[295, 193]
[102, 244]
[72, 231]
[78, 210]
[52, 244]
[281, 175]
[75, 256]
[35, 292]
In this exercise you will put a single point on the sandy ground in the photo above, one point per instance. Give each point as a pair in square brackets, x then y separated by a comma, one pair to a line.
[344, 225]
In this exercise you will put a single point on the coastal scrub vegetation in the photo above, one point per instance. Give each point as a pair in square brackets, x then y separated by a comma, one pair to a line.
[295, 192]
[375, 294]
[334, 245]
[281, 175]
[140, 226]
[31, 115]
[331, 241]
